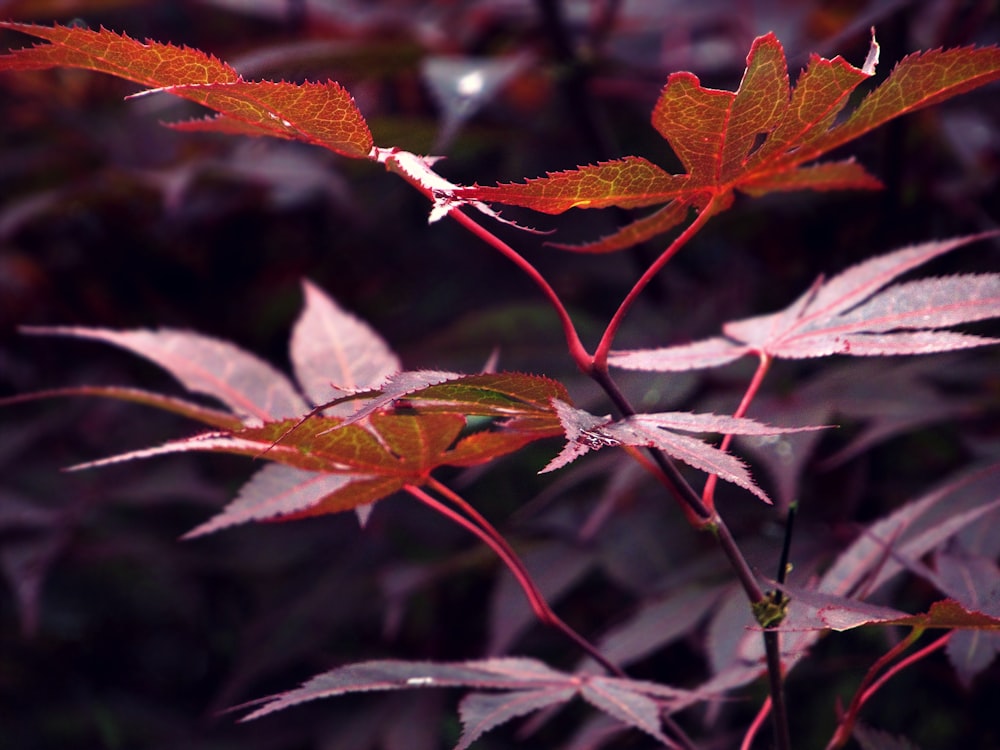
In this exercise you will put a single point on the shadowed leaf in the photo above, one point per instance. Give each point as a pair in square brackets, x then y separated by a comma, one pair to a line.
[874, 739]
[530, 685]
[481, 712]
[247, 385]
[975, 582]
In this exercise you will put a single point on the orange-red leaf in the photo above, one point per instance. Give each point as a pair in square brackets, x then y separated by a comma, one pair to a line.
[149, 63]
[950, 614]
[919, 80]
[660, 221]
[631, 182]
[323, 114]
[756, 139]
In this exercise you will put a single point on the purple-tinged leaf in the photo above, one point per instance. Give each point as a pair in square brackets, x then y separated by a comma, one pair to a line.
[971, 652]
[875, 739]
[860, 281]
[819, 611]
[713, 352]
[656, 624]
[530, 685]
[585, 432]
[928, 303]
[887, 400]
[712, 423]
[975, 582]
[843, 315]
[578, 426]
[212, 442]
[628, 706]
[481, 712]
[691, 451]
[728, 628]
[912, 531]
[496, 674]
[594, 733]
[274, 491]
[18, 513]
[850, 315]
[282, 495]
[250, 387]
[332, 351]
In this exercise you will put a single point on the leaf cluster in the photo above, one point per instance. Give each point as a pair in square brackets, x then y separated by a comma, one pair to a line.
[356, 428]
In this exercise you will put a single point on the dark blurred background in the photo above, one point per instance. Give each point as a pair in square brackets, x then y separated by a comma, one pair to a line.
[114, 634]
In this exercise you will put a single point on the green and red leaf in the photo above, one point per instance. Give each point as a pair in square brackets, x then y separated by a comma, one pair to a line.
[342, 465]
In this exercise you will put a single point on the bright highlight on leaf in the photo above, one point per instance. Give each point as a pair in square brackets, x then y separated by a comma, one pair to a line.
[757, 140]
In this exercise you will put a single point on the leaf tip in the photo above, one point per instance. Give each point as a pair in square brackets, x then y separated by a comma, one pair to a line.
[872, 59]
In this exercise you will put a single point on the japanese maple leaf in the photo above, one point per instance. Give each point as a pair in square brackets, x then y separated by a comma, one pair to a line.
[757, 140]
[878, 555]
[519, 686]
[319, 113]
[586, 432]
[388, 432]
[851, 314]
[323, 114]
[328, 470]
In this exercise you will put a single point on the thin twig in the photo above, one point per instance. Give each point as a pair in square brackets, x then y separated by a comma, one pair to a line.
[763, 366]
[604, 347]
[870, 684]
[483, 529]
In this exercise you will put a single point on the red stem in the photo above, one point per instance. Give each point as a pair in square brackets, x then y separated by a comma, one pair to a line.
[577, 350]
[869, 685]
[903, 663]
[756, 724]
[708, 492]
[483, 529]
[600, 360]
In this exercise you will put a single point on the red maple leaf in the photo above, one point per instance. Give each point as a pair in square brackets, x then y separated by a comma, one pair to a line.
[323, 114]
[758, 139]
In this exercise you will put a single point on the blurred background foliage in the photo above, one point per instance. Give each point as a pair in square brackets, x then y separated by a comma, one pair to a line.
[115, 635]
